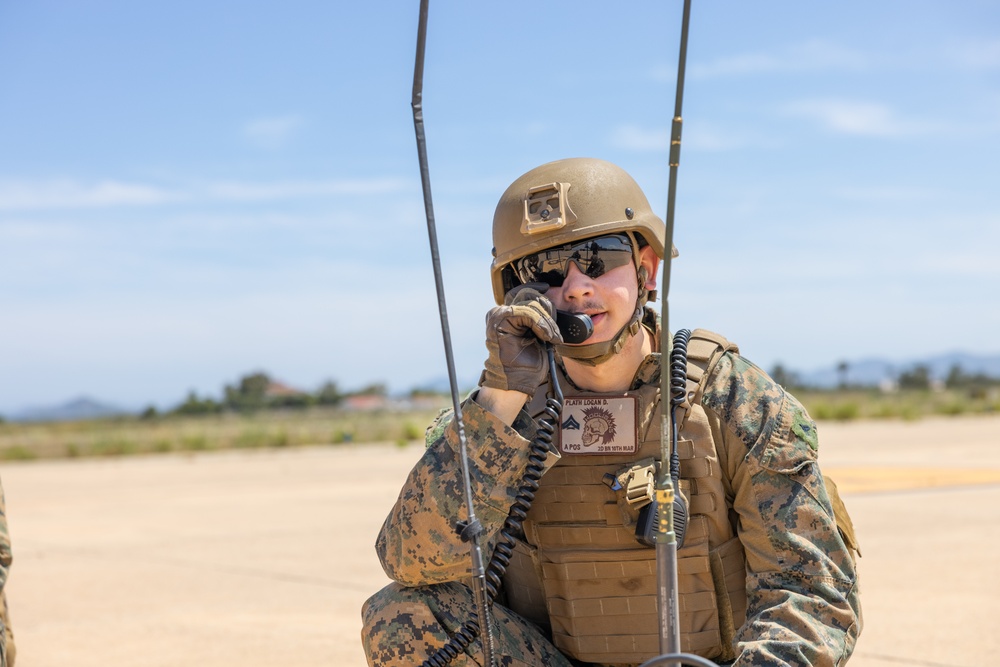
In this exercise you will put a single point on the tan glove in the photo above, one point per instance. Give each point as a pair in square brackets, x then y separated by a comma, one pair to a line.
[514, 336]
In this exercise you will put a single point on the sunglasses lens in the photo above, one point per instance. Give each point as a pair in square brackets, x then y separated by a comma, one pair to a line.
[593, 257]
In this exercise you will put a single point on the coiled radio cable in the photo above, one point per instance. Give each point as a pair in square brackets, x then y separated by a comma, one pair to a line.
[678, 392]
[512, 528]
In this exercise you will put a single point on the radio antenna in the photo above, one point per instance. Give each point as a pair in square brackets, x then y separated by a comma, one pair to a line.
[665, 536]
[470, 529]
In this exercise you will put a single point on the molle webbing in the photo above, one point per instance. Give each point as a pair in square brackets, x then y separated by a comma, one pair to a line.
[704, 349]
[583, 574]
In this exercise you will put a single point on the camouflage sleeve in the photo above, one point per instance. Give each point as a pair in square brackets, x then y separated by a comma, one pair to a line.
[803, 606]
[418, 544]
[6, 636]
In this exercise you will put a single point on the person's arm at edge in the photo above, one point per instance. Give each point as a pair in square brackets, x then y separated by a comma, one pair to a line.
[6, 636]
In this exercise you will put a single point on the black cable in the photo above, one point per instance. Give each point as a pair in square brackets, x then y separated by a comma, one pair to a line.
[678, 392]
[512, 528]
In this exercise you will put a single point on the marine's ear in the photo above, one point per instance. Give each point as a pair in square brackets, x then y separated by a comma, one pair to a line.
[649, 261]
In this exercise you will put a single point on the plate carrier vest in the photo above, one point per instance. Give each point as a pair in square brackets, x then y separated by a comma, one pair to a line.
[583, 574]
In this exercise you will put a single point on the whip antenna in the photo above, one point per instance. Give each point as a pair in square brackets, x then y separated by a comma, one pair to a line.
[470, 529]
[665, 536]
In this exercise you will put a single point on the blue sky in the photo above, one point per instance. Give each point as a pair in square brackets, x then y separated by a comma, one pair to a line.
[192, 191]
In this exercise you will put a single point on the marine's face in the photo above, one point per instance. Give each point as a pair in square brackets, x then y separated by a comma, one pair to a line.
[609, 299]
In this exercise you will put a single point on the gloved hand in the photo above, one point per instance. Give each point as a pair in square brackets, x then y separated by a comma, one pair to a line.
[514, 336]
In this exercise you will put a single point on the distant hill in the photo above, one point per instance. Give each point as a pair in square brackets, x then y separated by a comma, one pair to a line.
[874, 371]
[868, 372]
[79, 408]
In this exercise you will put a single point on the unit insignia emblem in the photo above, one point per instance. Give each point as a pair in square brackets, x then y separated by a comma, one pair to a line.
[599, 425]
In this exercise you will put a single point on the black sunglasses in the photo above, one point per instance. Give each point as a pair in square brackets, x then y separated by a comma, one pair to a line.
[594, 257]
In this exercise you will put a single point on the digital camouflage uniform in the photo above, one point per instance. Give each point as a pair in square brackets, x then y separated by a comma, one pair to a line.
[7, 650]
[801, 595]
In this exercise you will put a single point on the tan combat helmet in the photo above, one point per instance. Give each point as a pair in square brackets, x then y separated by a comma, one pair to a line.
[566, 201]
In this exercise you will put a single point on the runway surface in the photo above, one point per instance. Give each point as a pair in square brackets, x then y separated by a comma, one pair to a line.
[263, 558]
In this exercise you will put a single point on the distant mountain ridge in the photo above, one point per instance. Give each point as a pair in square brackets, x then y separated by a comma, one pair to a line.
[79, 408]
[873, 372]
[868, 372]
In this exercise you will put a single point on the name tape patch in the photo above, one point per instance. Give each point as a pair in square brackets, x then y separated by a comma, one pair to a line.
[599, 425]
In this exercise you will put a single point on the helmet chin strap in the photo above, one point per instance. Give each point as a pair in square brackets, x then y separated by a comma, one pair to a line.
[597, 353]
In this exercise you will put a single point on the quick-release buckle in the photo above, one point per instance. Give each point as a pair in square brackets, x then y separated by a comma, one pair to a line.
[639, 483]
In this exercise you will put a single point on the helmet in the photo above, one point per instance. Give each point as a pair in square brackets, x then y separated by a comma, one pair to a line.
[565, 201]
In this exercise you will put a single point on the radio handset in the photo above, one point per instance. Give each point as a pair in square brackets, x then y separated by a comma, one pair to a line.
[574, 327]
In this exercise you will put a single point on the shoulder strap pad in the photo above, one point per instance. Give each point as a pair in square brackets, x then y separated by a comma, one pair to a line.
[704, 350]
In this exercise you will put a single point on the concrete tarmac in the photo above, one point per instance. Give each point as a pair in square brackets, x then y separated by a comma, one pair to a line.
[263, 558]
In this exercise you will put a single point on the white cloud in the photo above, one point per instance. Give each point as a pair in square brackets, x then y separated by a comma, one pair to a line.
[66, 194]
[975, 265]
[205, 338]
[889, 194]
[746, 63]
[635, 138]
[705, 136]
[982, 54]
[236, 191]
[532, 129]
[14, 232]
[812, 55]
[22, 195]
[856, 118]
[273, 132]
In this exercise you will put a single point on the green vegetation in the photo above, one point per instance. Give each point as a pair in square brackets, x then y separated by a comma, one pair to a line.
[914, 396]
[257, 392]
[186, 433]
[316, 425]
[908, 405]
[18, 453]
[257, 413]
